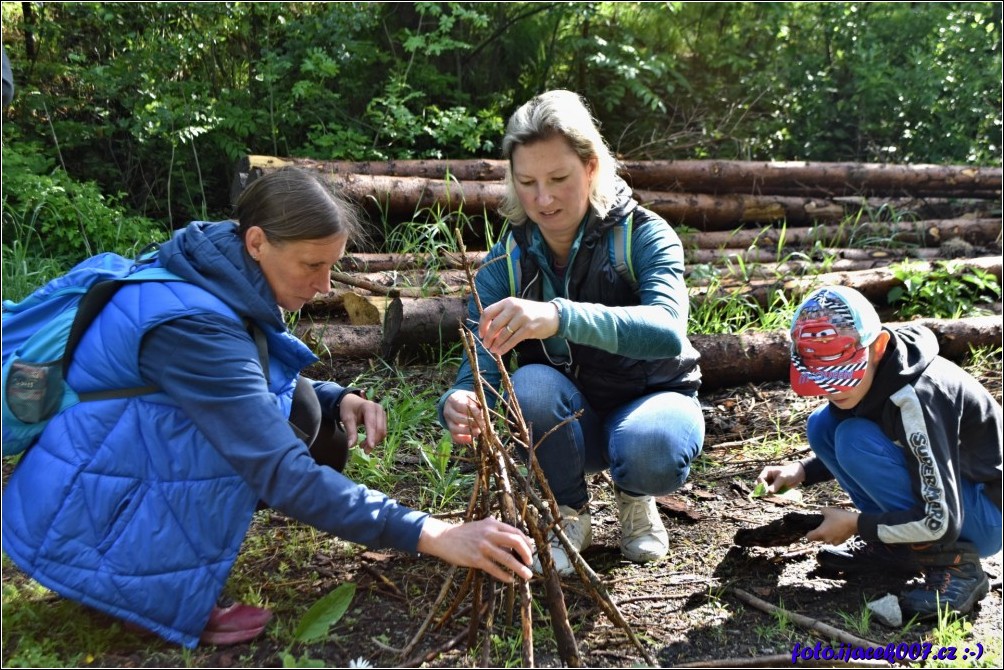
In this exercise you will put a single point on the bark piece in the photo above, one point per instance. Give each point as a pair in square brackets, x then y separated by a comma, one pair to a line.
[365, 310]
[778, 533]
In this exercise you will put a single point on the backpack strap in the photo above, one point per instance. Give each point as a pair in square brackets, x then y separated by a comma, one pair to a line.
[90, 306]
[621, 246]
[513, 264]
[95, 300]
[261, 343]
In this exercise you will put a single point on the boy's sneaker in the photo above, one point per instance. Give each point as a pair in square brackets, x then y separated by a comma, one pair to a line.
[643, 536]
[957, 586]
[234, 623]
[858, 557]
[578, 528]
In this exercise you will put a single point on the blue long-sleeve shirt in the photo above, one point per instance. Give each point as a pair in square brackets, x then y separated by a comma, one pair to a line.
[215, 376]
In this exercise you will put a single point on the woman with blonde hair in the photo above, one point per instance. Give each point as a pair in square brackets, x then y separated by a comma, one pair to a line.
[588, 292]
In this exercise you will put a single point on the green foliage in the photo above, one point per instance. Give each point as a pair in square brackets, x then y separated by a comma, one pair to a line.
[48, 213]
[954, 631]
[948, 290]
[156, 100]
[24, 271]
[872, 81]
[324, 613]
[720, 310]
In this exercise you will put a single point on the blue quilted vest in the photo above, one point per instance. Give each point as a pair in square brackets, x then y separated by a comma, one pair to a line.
[123, 504]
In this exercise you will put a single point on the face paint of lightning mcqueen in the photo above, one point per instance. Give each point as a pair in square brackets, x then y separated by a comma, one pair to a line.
[820, 345]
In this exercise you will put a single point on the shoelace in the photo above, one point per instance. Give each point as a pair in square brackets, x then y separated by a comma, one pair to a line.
[637, 516]
[938, 580]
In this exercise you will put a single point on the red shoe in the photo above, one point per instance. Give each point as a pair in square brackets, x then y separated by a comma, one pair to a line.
[234, 624]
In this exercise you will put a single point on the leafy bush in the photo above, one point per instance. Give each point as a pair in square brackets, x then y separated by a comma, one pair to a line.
[55, 216]
[950, 290]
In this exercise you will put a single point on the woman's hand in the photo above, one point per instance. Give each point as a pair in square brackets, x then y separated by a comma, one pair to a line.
[499, 549]
[838, 525]
[355, 411]
[778, 478]
[462, 413]
[512, 320]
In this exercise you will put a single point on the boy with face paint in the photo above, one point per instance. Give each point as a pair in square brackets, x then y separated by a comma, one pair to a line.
[912, 438]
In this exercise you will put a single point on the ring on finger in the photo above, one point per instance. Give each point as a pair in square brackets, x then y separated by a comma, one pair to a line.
[511, 331]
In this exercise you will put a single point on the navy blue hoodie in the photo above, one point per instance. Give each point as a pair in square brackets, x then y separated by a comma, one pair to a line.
[949, 427]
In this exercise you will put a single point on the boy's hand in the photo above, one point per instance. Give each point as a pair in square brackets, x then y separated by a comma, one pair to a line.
[778, 478]
[838, 525]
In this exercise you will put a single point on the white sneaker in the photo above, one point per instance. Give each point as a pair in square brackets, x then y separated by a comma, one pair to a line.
[578, 529]
[643, 537]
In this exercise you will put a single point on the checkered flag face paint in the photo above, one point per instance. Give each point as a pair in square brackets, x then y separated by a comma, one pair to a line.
[827, 355]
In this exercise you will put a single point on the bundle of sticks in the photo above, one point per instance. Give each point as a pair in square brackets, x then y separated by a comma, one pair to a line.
[515, 490]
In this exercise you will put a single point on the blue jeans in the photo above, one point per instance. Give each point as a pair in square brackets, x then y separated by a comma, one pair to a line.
[872, 469]
[648, 443]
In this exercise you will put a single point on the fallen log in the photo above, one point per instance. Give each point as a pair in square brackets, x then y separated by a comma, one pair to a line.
[815, 179]
[474, 169]
[433, 321]
[390, 262]
[330, 340]
[726, 211]
[931, 233]
[378, 262]
[874, 284]
[726, 360]
[700, 176]
[757, 256]
[723, 273]
[406, 197]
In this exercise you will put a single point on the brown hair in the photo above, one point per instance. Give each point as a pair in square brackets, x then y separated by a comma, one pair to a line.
[293, 204]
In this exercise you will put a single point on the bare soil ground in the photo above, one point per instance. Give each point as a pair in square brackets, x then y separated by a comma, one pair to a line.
[682, 608]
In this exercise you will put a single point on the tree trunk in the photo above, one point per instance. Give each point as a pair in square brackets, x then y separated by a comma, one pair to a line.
[979, 232]
[726, 211]
[464, 170]
[726, 360]
[821, 180]
[795, 178]
[406, 197]
[757, 255]
[334, 340]
[757, 356]
[450, 281]
[433, 321]
[873, 283]
[378, 262]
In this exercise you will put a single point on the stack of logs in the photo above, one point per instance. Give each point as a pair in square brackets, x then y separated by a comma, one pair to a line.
[750, 230]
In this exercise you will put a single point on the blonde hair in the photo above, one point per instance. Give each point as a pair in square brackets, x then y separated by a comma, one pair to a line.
[565, 114]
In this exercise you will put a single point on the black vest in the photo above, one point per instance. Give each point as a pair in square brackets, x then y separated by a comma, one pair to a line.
[607, 380]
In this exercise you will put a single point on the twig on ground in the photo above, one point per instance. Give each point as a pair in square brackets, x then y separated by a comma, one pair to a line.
[826, 629]
[776, 661]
